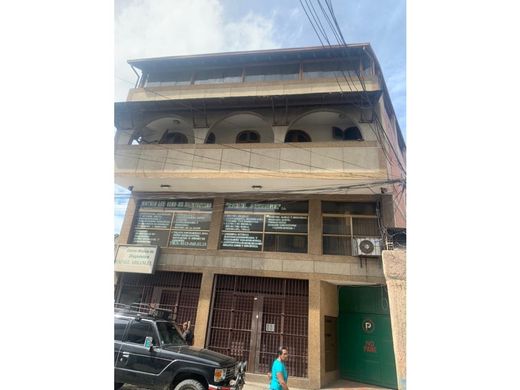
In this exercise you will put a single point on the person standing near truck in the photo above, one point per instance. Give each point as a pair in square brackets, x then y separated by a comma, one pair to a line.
[279, 372]
[187, 334]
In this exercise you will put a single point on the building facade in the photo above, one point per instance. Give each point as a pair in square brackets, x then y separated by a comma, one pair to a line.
[266, 182]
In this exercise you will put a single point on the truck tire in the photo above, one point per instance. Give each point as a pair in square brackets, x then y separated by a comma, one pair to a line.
[189, 384]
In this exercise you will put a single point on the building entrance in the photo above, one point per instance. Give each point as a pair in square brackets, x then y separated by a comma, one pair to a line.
[366, 351]
[252, 317]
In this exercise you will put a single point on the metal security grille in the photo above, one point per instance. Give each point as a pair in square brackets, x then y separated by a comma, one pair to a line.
[178, 290]
[252, 317]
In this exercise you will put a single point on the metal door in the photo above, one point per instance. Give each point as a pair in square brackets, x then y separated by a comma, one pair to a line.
[365, 336]
[252, 317]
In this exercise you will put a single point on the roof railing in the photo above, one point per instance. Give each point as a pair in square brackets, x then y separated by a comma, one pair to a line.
[154, 310]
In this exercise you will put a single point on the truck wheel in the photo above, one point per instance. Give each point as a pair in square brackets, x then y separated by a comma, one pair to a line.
[189, 384]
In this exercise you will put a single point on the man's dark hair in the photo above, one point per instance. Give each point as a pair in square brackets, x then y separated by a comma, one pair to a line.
[280, 350]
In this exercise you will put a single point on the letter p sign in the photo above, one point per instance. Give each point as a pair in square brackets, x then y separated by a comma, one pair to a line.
[368, 326]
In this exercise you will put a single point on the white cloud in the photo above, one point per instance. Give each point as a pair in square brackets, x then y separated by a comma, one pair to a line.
[156, 28]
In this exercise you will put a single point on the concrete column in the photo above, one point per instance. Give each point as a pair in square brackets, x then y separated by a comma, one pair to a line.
[315, 227]
[200, 135]
[279, 134]
[315, 326]
[216, 222]
[394, 268]
[206, 289]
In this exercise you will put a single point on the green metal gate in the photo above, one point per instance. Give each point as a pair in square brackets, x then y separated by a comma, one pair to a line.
[366, 352]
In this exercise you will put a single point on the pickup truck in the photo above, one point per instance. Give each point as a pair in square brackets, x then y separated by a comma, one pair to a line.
[149, 352]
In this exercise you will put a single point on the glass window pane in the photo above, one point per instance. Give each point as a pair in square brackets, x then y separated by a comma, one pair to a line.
[150, 237]
[271, 73]
[285, 243]
[169, 78]
[337, 246]
[119, 328]
[336, 225]
[365, 227]
[139, 331]
[216, 76]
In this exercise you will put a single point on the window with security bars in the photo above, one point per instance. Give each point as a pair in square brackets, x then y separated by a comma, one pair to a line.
[252, 317]
[343, 222]
[177, 291]
[173, 223]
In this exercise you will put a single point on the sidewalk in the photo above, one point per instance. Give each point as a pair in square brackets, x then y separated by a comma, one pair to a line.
[341, 384]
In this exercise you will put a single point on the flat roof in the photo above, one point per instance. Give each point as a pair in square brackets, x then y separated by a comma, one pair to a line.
[243, 57]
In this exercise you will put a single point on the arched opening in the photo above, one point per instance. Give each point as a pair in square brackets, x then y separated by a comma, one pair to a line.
[228, 129]
[173, 138]
[248, 137]
[210, 139]
[351, 133]
[297, 136]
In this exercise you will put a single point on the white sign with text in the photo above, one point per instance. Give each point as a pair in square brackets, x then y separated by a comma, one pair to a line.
[136, 258]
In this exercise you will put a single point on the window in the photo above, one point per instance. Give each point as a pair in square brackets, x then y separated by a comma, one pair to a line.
[139, 331]
[265, 226]
[211, 138]
[349, 134]
[173, 138]
[173, 223]
[120, 327]
[272, 73]
[218, 76]
[344, 221]
[248, 137]
[182, 77]
[330, 69]
[297, 136]
[169, 334]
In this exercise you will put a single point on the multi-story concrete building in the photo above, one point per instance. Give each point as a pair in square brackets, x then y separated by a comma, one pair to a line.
[264, 185]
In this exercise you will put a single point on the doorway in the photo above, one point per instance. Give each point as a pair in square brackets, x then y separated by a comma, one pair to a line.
[251, 317]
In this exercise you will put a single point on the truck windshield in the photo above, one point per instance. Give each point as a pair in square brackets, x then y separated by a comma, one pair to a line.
[169, 334]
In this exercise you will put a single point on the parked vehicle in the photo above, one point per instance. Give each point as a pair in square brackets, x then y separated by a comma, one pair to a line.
[149, 351]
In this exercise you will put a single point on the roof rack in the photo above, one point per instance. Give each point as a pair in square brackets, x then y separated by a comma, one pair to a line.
[154, 310]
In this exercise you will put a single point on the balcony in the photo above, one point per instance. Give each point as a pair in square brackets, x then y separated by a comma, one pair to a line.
[255, 89]
[248, 167]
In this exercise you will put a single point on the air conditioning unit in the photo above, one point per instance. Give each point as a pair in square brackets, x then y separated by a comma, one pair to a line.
[366, 246]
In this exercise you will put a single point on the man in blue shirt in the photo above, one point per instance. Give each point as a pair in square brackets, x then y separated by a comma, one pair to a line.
[278, 371]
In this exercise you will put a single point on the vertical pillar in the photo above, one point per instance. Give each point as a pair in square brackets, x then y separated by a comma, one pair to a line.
[216, 222]
[394, 268]
[206, 289]
[200, 135]
[279, 134]
[314, 359]
[315, 227]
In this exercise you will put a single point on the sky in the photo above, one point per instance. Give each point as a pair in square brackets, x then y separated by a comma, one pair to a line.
[157, 28]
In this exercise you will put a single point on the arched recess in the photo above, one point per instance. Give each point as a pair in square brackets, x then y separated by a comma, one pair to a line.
[227, 129]
[320, 124]
[297, 136]
[170, 129]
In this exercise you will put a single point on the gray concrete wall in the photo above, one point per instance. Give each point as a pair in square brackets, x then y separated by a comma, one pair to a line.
[394, 268]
